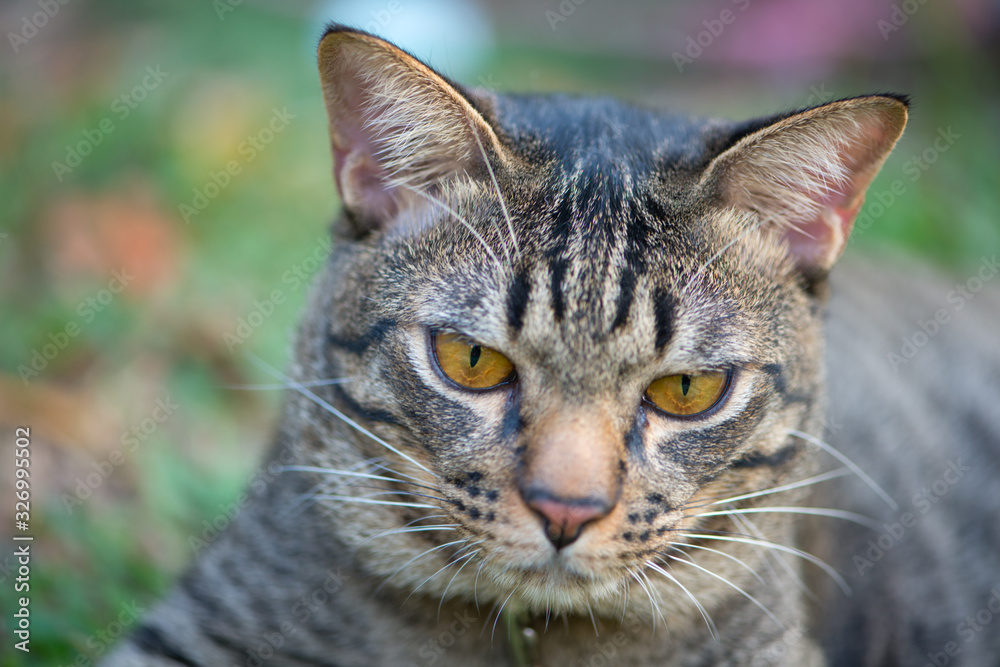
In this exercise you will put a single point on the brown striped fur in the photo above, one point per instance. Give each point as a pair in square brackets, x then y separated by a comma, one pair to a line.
[599, 246]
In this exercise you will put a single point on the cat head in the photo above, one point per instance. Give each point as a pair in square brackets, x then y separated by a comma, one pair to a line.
[566, 326]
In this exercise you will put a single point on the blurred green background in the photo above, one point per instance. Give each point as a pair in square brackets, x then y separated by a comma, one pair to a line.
[164, 172]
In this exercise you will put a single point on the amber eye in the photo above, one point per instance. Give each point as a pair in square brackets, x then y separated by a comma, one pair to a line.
[688, 395]
[470, 365]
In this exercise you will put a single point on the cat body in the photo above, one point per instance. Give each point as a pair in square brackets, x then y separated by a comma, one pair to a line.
[583, 404]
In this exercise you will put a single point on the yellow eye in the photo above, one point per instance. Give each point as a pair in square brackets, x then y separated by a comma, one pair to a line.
[470, 365]
[688, 395]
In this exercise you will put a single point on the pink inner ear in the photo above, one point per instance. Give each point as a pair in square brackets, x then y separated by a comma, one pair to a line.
[818, 242]
[361, 180]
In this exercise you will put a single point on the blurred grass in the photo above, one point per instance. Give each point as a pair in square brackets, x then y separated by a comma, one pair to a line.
[165, 334]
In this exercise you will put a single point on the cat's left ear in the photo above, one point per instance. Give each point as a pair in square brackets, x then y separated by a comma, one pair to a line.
[806, 174]
[396, 127]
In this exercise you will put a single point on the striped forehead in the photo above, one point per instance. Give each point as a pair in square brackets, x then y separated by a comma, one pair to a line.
[591, 261]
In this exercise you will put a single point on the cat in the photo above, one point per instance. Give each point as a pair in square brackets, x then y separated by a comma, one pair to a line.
[558, 398]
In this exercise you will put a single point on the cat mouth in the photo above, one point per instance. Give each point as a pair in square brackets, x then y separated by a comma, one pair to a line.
[575, 567]
[560, 584]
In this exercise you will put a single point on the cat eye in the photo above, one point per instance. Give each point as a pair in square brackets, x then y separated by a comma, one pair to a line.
[469, 364]
[688, 395]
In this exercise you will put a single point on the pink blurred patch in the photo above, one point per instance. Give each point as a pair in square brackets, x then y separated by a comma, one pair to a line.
[784, 34]
[89, 236]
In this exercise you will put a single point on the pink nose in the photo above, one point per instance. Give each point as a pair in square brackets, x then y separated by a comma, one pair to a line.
[564, 519]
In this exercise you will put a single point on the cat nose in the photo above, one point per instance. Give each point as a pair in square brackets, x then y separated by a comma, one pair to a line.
[570, 472]
[564, 519]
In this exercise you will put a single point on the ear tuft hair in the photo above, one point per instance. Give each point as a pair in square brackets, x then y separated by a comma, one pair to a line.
[806, 174]
[395, 125]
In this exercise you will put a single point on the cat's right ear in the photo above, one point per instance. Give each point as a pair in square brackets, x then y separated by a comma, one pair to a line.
[396, 127]
[805, 174]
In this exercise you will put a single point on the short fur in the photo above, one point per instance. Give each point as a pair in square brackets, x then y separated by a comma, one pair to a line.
[600, 246]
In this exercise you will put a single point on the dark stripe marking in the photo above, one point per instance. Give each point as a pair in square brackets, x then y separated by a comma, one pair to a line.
[224, 641]
[777, 374]
[373, 336]
[513, 422]
[517, 300]
[210, 605]
[367, 414]
[663, 312]
[558, 272]
[778, 458]
[633, 439]
[626, 293]
[152, 642]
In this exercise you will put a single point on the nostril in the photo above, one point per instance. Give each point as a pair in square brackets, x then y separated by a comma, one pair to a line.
[565, 519]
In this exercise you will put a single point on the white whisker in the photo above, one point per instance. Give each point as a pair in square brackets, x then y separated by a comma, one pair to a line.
[750, 527]
[416, 481]
[593, 622]
[780, 547]
[346, 473]
[653, 607]
[721, 553]
[292, 384]
[833, 474]
[499, 612]
[369, 501]
[834, 452]
[859, 519]
[468, 559]
[445, 527]
[701, 610]
[434, 200]
[278, 386]
[742, 592]
[408, 524]
[442, 569]
[496, 187]
[418, 556]
[383, 492]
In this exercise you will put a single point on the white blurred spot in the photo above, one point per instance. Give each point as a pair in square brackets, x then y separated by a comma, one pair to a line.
[452, 36]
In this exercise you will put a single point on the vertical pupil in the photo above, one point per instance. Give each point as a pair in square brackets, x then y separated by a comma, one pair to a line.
[474, 356]
[685, 384]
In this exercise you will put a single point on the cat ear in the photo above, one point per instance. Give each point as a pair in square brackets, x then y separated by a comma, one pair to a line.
[395, 125]
[806, 174]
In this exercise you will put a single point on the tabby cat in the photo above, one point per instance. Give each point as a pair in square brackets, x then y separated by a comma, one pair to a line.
[558, 399]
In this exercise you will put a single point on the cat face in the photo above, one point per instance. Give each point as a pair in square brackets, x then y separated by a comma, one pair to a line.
[572, 332]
